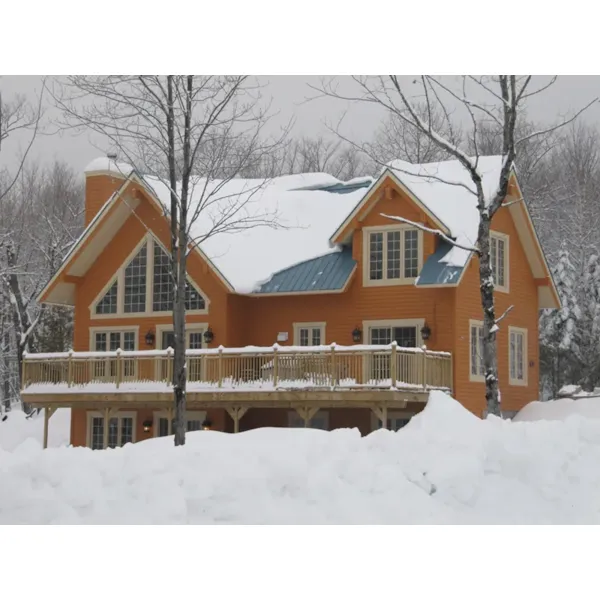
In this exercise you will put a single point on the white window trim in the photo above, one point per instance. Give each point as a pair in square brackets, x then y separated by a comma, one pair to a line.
[120, 329]
[190, 415]
[368, 325]
[294, 416]
[523, 332]
[505, 238]
[367, 231]
[189, 328]
[322, 325]
[392, 414]
[474, 378]
[121, 414]
[120, 279]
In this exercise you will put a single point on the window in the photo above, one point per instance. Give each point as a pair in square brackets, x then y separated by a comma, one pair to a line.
[144, 285]
[405, 332]
[392, 256]
[108, 304]
[194, 341]
[121, 430]
[103, 341]
[163, 285]
[309, 334]
[517, 356]
[194, 420]
[499, 260]
[135, 283]
[319, 421]
[395, 421]
[477, 370]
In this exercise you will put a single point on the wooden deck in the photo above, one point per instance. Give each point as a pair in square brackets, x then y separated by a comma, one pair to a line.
[310, 377]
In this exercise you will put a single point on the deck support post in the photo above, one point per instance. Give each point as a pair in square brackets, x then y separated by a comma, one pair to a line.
[236, 413]
[307, 413]
[48, 412]
[170, 421]
[381, 413]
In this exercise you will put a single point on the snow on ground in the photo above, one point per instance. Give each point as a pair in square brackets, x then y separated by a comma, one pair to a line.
[445, 466]
[560, 409]
[17, 428]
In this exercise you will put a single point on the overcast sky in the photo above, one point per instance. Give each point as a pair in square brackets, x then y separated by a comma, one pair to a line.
[289, 95]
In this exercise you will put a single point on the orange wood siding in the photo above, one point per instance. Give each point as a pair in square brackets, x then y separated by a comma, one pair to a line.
[523, 295]
[146, 218]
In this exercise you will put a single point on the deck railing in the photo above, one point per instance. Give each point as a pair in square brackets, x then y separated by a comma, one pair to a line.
[273, 367]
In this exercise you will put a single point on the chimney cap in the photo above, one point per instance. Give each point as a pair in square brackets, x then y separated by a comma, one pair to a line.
[111, 155]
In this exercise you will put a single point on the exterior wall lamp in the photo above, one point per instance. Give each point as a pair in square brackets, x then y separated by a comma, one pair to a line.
[150, 338]
[209, 336]
[356, 335]
[425, 332]
[147, 426]
[206, 424]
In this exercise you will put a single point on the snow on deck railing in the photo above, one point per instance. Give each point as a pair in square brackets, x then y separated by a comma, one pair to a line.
[274, 367]
[262, 350]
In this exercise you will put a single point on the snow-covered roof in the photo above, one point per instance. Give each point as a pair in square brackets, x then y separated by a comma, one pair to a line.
[447, 191]
[305, 221]
[105, 164]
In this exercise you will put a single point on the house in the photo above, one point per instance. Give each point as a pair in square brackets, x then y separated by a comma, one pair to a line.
[265, 305]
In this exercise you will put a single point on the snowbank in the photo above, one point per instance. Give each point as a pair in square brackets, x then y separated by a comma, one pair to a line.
[18, 429]
[560, 410]
[445, 466]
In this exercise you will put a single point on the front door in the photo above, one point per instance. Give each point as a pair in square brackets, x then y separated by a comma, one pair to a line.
[193, 341]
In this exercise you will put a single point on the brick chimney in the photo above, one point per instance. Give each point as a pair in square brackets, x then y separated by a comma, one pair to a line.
[103, 176]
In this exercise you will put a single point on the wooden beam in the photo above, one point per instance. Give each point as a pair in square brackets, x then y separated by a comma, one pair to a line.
[72, 279]
[48, 412]
[307, 413]
[542, 282]
[381, 413]
[236, 413]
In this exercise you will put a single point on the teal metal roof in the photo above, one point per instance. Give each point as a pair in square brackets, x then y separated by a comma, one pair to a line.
[322, 274]
[341, 187]
[435, 272]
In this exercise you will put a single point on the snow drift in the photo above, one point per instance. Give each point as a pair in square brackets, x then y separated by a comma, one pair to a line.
[445, 466]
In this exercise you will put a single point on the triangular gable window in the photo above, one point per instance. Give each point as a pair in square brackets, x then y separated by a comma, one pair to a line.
[163, 286]
[144, 286]
[135, 283]
[108, 303]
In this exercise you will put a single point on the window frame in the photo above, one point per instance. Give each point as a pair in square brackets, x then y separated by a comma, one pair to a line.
[321, 325]
[385, 229]
[472, 376]
[135, 329]
[189, 328]
[293, 417]
[94, 414]
[392, 414]
[190, 415]
[505, 239]
[522, 332]
[119, 279]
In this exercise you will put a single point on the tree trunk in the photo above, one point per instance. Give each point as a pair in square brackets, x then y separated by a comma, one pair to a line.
[490, 358]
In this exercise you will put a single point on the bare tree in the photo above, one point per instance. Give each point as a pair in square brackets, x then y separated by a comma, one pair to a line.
[503, 98]
[397, 139]
[194, 134]
[42, 215]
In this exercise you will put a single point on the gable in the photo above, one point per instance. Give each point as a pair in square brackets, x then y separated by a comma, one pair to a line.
[142, 286]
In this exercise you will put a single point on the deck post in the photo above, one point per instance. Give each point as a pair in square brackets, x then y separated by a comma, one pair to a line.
[48, 412]
[70, 369]
[220, 366]
[275, 365]
[424, 366]
[394, 363]
[236, 413]
[381, 413]
[334, 379]
[105, 431]
[170, 421]
[306, 413]
[119, 367]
